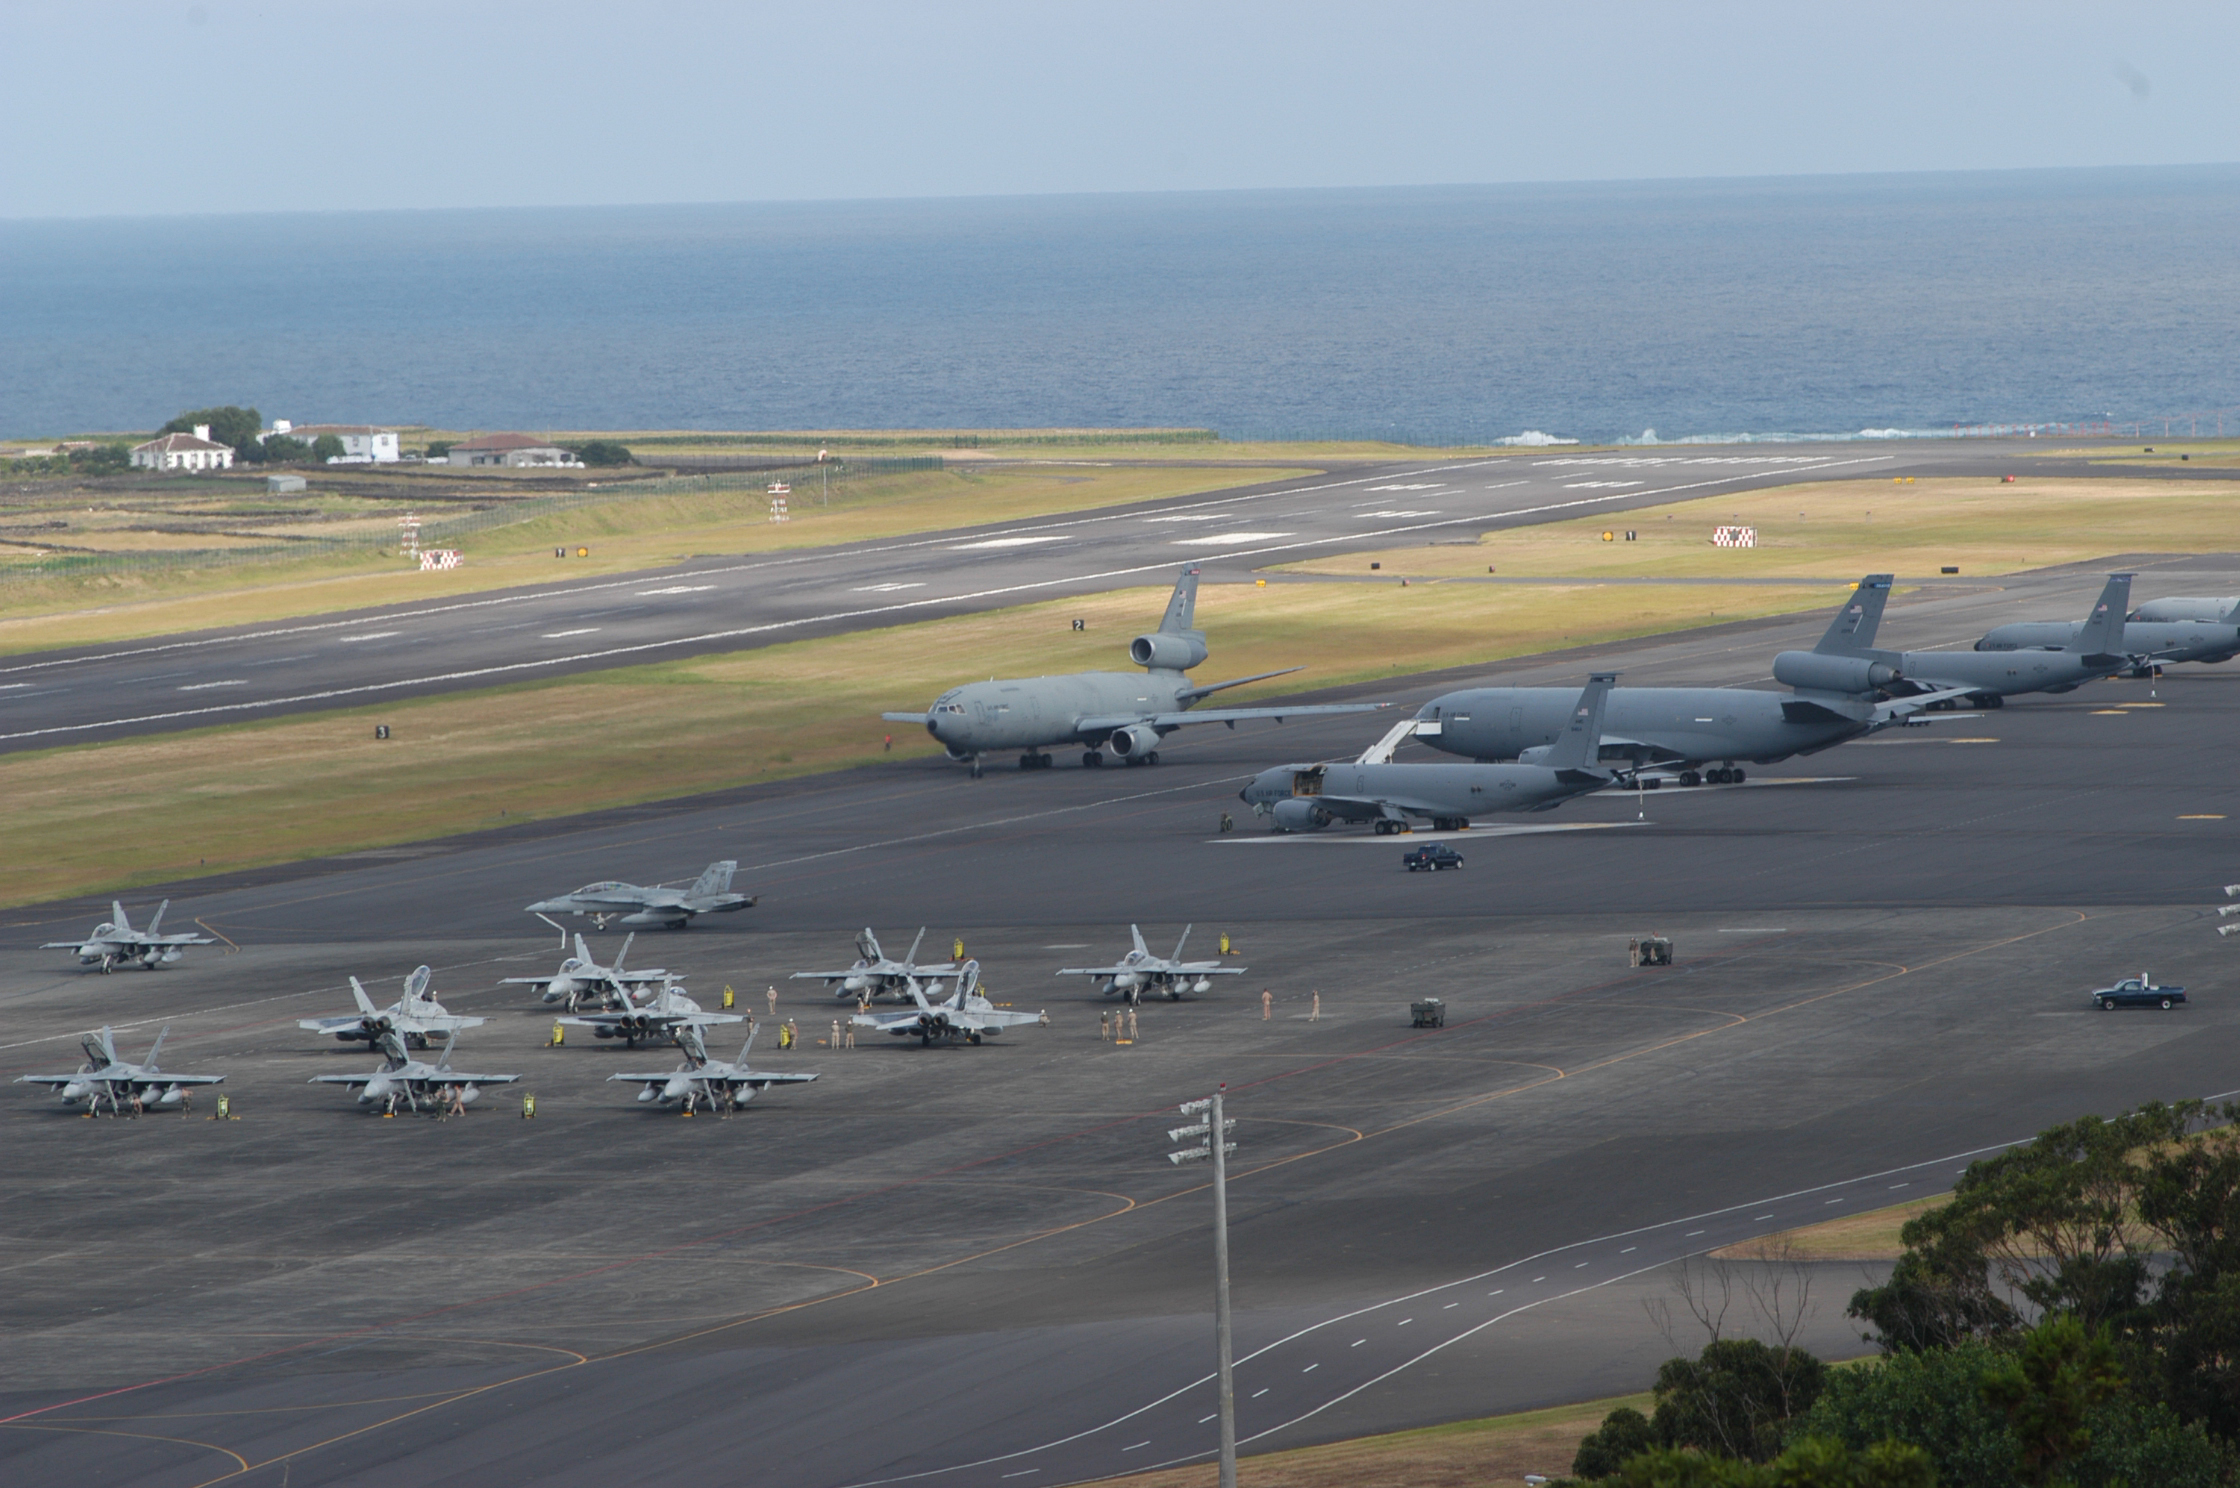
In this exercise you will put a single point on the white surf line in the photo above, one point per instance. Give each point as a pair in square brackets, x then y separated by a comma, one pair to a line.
[824, 554]
[771, 627]
[1358, 1312]
[632, 580]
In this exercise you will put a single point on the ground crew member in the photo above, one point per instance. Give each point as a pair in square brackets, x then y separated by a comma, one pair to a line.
[772, 994]
[528, 1105]
[137, 1107]
[836, 1033]
[889, 745]
[1131, 1025]
[785, 1034]
[1104, 1027]
[848, 1032]
[1267, 1004]
[1316, 1015]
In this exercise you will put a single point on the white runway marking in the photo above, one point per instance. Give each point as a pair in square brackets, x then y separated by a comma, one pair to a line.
[229, 682]
[1396, 514]
[1431, 486]
[675, 589]
[883, 588]
[1005, 542]
[1192, 517]
[556, 635]
[371, 635]
[1370, 839]
[1602, 485]
[1227, 537]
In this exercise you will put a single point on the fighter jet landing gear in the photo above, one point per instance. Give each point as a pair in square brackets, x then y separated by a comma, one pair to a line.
[1035, 761]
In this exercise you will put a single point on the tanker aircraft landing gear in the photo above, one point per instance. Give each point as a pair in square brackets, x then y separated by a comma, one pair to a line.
[1450, 824]
[1142, 759]
[1726, 775]
[976, 766]
[1091, 758]
[1386, 828]
[1034, 761]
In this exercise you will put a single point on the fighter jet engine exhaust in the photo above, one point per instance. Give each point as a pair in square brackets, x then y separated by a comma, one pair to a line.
[1167, 651]
[1819, 671]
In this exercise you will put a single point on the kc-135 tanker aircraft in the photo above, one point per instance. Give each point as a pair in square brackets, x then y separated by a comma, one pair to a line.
[1100, 710]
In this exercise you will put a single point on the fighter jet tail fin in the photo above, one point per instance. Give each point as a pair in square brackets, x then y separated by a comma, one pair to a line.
[2102, 634]
[1182, 606]
[365, 1003]
[155, 1048]
[1182, 941]
[747, 1048]
[583, 951]
[116, 910]
[716, 879]
[1853, 631]
[1136, 934]
[156, 924]
[1579, 746]
[912, 958]
[618, 955]
[968, 983]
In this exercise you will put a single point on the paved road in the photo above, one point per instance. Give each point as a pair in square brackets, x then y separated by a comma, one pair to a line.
[720, 604]
[973, 1263]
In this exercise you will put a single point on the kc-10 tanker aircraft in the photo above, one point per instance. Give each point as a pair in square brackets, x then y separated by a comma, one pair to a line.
[1685, 728]
[1981, 678]
[1100, 710]
[1306, 798]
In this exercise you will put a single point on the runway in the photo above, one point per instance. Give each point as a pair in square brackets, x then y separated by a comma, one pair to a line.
[974, 1265]
[737, 603]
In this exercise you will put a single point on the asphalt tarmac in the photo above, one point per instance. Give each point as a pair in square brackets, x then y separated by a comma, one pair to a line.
[737, 603]
[974, 1265]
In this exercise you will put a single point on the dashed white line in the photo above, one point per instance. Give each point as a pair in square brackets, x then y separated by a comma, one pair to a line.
[205, 686]
[1357, 1343]
[1691, 1234]
[1403, 1322]
[1144, 1443]
[883, 588]
[1835, 1201]
[1005, 542]
[557, 635]
[1311, 1368]
[1582, 1266]
[371, 635]
[1901, 1185]
[1629, 1250]
[1450, 1306]
[1497, 1291]
[1214, 1417]
[1216, 539]
[1028, 1472]
[1538, 1279]
[1756, 1217]
[676, 589]
[1258, 1393]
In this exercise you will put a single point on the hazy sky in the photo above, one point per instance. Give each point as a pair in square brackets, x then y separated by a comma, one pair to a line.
[214, 105]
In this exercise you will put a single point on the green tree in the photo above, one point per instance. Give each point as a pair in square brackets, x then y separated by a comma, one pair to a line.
[279, 449]
[439, 448]
[604, 452]
[228, 425]
[1814, 1462]
[326, 447]
[1624, 1433]
[2047, 1388]
[102, 459]
[1735, 1398]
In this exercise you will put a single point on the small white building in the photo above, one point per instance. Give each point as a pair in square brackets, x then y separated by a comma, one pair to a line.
[176, 454]
[362, 444]
[510, 449]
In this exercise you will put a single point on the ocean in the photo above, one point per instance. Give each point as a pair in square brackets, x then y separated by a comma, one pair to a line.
[1768, 307]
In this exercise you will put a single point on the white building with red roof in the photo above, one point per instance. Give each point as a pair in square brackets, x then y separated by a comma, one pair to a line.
[176, 454]
[510, 449]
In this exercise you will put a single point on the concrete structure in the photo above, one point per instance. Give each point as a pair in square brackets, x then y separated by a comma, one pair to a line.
[362, 444]
[283, 485]
[510, 449]
[178, 454]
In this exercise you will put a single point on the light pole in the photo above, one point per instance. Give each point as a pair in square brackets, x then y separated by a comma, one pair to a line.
[1215, 1129]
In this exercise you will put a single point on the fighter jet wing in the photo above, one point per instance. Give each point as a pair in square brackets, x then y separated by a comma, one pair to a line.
[997, 1019]
[50, 1079]
[67, 945]
[888, 1022]
[165, 1077]
[1209, 969]
[341, 1079]
[1106, 723]
[456, 1077]
[760, 1078]
[329, 1025]
[1097, 970]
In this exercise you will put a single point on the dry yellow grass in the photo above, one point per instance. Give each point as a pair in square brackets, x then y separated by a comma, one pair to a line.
[271, 792]
[1466, 1454]
[1872, 1236]
[1842, 529]
[633, 531]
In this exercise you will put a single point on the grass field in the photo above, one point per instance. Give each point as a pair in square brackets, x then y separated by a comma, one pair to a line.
[1872, 1236]
[1842, 529]
[1465, 1454]
[631, 531]
[302, 787]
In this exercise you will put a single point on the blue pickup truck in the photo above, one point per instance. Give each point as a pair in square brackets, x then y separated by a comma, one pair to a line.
[2138, 991]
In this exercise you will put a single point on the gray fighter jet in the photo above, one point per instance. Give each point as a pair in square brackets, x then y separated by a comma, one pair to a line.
[1979, 678]
[666, 1016]
[414, 1017]
[659, 905]
[403, 1078]
[115, 943]
[104, 1079]
[1126, 714]
[2150, 642]
[1683, 729]
[1306, 798]
[719, 1085]
[2215, 611]
[875, 972]
[963, 1014]
[582, 979]
[1140, 971]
